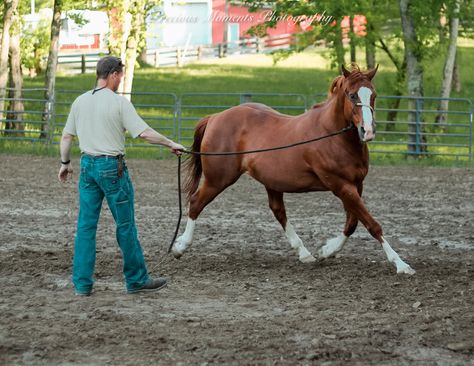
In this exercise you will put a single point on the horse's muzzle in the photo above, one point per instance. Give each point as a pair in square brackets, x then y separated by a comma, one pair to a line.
[366, 135]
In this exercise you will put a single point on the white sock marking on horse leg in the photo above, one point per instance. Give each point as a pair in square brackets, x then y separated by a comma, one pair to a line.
[332, 246]
[296, 243]
[394, 258]
[185, 240]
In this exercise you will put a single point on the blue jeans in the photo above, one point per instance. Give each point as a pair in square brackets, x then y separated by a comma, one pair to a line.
[98, 179]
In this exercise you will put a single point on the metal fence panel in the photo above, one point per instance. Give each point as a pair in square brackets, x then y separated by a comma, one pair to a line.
[408, 126]
[25, 118]
[405, 125]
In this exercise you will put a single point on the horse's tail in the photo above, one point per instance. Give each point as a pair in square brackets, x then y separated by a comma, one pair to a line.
[194, 165]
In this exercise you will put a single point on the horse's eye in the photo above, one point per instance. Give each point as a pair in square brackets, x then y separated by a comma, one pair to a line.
[353, 97]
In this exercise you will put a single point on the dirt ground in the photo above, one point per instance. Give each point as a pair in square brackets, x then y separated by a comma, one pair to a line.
[240, 296]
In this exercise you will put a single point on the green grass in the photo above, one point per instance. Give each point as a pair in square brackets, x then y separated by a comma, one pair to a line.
[307, 74]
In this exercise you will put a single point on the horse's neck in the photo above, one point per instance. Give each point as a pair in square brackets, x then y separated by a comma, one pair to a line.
[331, 114]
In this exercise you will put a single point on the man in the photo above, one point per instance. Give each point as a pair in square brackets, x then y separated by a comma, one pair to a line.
[99, 119]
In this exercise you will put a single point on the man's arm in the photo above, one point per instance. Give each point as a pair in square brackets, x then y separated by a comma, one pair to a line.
[153, 137]
[65, 151]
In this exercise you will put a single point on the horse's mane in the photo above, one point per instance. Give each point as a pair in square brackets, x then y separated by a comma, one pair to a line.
[336, 84]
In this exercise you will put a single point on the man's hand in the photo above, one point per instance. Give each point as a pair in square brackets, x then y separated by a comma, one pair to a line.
[177, 148]
[65, 172]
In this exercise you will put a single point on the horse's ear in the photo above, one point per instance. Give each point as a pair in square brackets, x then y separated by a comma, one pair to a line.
[345, 72]
[372, 72]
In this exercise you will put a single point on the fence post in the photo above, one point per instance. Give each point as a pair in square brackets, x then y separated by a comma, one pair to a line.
[199, 53]
[178, 117]
[83, 64]
[220, 50]
[470, 134]
[245, 98]
[51, 118]
[418, 127]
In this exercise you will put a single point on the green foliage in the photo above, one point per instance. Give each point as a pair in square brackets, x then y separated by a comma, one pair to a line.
[35, 45]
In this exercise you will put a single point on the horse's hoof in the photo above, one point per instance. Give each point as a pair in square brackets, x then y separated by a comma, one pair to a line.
[324, 254]
[308, 259]
[176, 252]
[406, 269]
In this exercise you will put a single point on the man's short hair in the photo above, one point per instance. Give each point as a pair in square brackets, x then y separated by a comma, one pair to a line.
[108, 65]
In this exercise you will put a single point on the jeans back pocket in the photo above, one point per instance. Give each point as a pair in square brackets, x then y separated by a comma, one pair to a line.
[110, 181]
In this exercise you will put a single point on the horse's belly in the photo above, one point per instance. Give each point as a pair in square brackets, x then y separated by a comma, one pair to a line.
[290, 183]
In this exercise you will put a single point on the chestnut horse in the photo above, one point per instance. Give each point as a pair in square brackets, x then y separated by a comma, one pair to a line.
[338, 163]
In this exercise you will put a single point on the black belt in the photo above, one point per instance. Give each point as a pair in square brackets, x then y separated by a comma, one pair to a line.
[121, 156]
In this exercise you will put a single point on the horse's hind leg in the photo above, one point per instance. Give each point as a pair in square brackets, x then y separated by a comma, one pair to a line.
[277, 206]
[200, 199]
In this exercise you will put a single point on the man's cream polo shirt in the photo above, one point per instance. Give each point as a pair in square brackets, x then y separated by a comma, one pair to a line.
[100, 121]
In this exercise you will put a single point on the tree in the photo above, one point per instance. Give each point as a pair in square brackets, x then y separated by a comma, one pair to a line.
[16, 108]
[51, 67]
[10, 7]
[120, 20]
[449, 63]
[126, 40]
[137, 11]
[413, 56]
[35, 47]
[352, 37]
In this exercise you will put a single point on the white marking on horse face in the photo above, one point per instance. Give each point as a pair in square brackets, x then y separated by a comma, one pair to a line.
[364, 94]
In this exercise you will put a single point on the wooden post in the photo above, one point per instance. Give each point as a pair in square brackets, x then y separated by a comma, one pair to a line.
[199, 53]
[83, 64]
[259, 45]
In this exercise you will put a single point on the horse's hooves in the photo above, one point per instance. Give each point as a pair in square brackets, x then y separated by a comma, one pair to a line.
[406, 270]
[308, 259]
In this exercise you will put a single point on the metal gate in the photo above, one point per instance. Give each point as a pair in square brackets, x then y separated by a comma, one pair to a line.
[405, 125]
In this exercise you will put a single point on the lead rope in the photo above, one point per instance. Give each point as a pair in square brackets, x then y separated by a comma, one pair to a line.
[341, 131]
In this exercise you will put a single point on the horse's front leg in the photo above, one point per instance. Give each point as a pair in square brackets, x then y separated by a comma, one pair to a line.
[275, 199]
[198, 201]
[336, 244]
[353, 204]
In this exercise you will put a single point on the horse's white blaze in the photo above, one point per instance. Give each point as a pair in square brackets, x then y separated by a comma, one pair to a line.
[296, 243]
[364, 96]
[185, 240]
[332, 246]
[393, 257]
